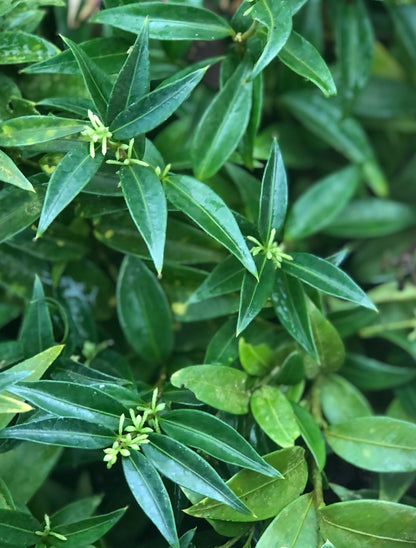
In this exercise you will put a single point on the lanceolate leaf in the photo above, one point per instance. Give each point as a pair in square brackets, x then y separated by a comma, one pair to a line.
[215, 437]
[311, 434]
[97, 81]
[289, 303]
[133, 81]
[68, 179]
[222, 125]
[11, 406]
[276, 16]
[273, 198]
[326, 277]
[359, 523]
[18, 528]
[155, 107]
[143, 311]
[304, 59]
[185, 467]
[224, 278]
[146, 201]
[19, 209]
[10, 173]
[170, 21]
[29, 130]
[209, 211]
[255, 293]
[150, 493]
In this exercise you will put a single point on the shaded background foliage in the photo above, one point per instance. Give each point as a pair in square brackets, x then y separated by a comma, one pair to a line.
[143, 272]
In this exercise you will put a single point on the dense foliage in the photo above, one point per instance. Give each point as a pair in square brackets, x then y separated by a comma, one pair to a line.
[207, 272]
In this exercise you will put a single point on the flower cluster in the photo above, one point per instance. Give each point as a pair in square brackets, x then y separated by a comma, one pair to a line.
[271, 249]
[98, 133]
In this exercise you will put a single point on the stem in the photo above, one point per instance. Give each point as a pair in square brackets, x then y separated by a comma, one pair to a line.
[372, 330]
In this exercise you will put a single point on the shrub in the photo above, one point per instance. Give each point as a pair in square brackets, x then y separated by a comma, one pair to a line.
[208, 274]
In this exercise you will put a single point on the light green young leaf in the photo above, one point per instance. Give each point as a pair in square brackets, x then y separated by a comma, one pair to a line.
[341, 400]
[257, 359]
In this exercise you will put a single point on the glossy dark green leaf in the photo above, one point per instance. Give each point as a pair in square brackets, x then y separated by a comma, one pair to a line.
[17, 46]
[370, 374]
[311, 434]
[18, 528]
[224, 278]
[223, 347]
[289, 303]
[155, 107]
[354, 44]
[209, 211]
[96, 81]
[295, 526]
[273, 413]
[150, 493]
[273, 197]
[185, 467]
[372, 217]
[75, 511]
[171, 21]
[222, 387]
[86, 531]
[214, 437]
[146, 201]
[304, 59]
[133, 80]
[321, 203]
[254, 293]
[276, 16]
[264, 496]
[10, 173]
[28, 130]
[143, 311]
[36, 333]
[249, 189]
[367, 523]
[326, 277]
[71, 400]
[248, 141]
[222, 124]
[341, 401]
[379, 444]
[63, 432]
[68, 179]
[19, 210]
[76, 105]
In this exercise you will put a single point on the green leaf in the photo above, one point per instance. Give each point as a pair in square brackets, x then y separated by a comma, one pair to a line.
[86, 531]
[36, 333]
[63, 432]
[222, 387]
[304, 59]
[326, 277]
[372, 217]
[74, 511]
[11, 406]
[254, 293]
[274, 415]
[171, 21]
[276, 16]
[365, 523]
[72, 400]
[289, 303]
[255, 359]
[311, 434]
[17, 46]
[379, 444]
[214, 437]
[226, 277]
[370, 374]
[28, 130]
[150, 493]
[133, 80]
[209, 211]
[341, 401]
[321, 203]
[223, 347]
[38, 365]
[6, 499]
[10, 173]
[68, 179]
[185, 467]
[264, 496]
[146, 201]
[18, 528]
[222, 124]
[19, 209]
[155, 107]
[96, 81]
[143, 311]
[273, 197]
[295, 526]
